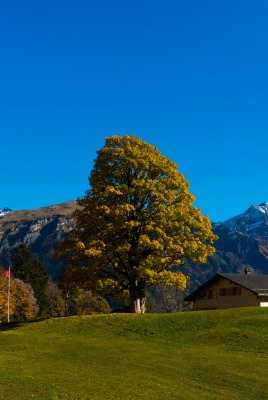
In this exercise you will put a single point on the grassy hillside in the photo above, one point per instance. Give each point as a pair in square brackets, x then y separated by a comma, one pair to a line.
[196, 355]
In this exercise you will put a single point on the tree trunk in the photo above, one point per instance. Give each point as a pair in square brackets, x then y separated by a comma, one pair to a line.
[137, 299]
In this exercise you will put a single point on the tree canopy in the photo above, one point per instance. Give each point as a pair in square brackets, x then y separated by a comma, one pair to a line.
[22, 302]
[29, 269]
[137, 223]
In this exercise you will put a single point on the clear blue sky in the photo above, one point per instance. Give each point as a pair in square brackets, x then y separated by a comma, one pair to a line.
[190, 77]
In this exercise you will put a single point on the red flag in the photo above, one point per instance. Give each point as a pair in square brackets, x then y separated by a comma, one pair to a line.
[7, 273]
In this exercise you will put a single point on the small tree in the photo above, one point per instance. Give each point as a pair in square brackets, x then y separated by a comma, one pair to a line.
[78, 292]
[55, 299]
[137, 222]
[26, 307]
[88, 303]
[27, 267]
[167, 299]
[22, 302]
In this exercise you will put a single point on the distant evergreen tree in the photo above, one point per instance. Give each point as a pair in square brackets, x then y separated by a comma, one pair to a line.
[29, 269]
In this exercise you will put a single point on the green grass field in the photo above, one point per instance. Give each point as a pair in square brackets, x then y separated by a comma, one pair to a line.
[195, 355]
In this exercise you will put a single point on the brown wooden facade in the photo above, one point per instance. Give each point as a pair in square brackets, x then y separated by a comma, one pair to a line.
[231, 290]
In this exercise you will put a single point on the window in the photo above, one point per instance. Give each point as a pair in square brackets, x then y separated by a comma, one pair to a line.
[233, 291]
[203, 295]
[236, 291]
[212, 294]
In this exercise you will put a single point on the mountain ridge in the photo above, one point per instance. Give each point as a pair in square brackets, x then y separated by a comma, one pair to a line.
[243, 239]
[4, 211]
[41, 229]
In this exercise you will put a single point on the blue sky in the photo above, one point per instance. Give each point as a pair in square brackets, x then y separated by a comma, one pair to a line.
[187, 76]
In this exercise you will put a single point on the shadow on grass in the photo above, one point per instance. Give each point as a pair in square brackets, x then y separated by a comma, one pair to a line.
[16, 324]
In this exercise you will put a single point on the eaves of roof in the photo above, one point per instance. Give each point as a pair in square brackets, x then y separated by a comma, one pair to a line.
[254, 282]
[192, 295]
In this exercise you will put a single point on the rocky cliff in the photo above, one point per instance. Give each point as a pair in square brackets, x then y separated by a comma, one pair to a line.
[40, 229]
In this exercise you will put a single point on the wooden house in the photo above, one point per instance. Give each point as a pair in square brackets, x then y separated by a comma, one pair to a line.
[231, 290]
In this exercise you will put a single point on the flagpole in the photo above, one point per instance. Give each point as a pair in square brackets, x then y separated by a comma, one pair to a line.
[8, 296]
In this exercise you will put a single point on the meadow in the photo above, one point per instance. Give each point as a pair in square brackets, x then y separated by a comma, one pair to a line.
[204, 355]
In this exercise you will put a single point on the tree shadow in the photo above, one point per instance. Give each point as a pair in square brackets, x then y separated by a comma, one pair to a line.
[16, 324]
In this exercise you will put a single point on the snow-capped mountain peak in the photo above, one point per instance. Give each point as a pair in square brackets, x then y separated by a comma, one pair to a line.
[253, 217]
[263, 207]
[4, 211]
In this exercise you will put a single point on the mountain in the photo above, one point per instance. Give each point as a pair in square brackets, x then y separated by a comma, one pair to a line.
[4, 211]
[246, 235]
[41, 229]
[253, 222]
[243, 239]
[243, 242]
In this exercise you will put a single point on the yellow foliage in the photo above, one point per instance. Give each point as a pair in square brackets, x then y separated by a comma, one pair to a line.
[106, 283]
[124, 248]
[80, 245]
[104, 209]
[87, 303]
[93, 252]
[22, 303]
[138, 218]
[111, 190]
[166, 278]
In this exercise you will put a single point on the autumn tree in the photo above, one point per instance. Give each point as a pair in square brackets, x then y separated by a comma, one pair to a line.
[22, 302]
[137, 223]
[55, 299]
[26, 307]
[78, 291]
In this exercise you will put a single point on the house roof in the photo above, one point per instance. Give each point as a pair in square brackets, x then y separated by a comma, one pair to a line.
[257, 284]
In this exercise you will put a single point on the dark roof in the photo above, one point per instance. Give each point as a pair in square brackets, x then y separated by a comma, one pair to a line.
[249, 281]
[257, 284]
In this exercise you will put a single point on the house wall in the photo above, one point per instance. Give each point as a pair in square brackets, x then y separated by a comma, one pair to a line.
[235, 296]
